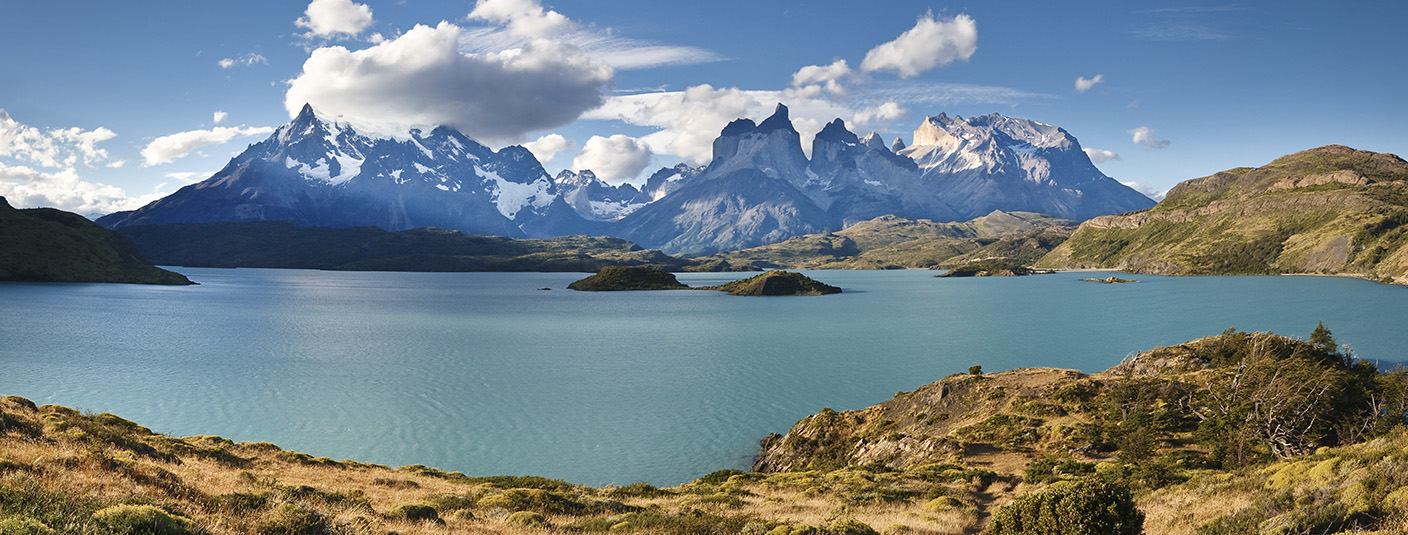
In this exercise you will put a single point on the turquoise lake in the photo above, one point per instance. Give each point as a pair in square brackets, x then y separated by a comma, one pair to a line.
[486, 374]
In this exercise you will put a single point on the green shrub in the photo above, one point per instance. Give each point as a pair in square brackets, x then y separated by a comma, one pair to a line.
[414, 512]
[635, 490]
[851, 527]
[527, 519]
[290, 519]
[717, 477]
[1090, 506]
[532, 500]
[141, 520]
[23, 525]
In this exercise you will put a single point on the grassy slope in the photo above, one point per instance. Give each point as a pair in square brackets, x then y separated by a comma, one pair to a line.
[939, 459]
[1330, 210]
[286, 245]
[47, 245]
[890, 242]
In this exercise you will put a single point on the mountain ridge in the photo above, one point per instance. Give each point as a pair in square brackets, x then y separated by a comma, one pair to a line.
[320, 171]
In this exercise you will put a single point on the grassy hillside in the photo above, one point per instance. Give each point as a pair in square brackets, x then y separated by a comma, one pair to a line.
[890, 242]
[945, 458]
[286, 245]
[48, 245]
[1329, 210]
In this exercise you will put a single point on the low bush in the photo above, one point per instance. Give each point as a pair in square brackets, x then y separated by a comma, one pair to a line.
[527, 519]
[23, 525]
[414, 512]
[1090, 506]
[141, 520]
[290, 519]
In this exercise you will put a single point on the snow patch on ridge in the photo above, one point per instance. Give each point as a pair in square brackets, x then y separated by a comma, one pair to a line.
[511, 197]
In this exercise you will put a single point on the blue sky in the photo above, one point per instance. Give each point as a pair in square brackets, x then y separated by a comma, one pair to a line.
[108, 105]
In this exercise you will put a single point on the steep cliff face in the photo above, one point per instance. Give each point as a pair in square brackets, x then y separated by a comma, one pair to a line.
[1329, 210]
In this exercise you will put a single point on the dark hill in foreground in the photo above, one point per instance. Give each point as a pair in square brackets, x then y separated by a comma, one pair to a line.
[48, 245]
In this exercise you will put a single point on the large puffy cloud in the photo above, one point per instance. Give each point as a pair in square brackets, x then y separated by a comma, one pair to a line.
[1101, 155]
[327, 18]
[25, 187]
[547, 147]
[1145, 136]
[422, 78]
[618, 157]
[1083, 84]
[168, 148]
[931, 43]
[55, 147]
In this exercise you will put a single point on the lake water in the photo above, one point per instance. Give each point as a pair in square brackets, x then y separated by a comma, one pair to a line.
[486, 374]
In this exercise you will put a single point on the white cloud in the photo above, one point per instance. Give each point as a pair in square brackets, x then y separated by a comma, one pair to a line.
[327, 18]
[187, 176]
[931, 43]
[220, 117]
[422, 78]
[1145, 136]
[517, 23]
[117, 164]
[525, 18]
[1101, 155]
[165, 149]
[820, 74]
[547, 147]
[883, 113]
[1083, 85]
[1148, 191]
[618, 157]
[25, 187]
[689, 120]
[55, 147]
[247, 60]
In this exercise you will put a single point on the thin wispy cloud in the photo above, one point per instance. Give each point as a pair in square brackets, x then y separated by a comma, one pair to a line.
[1179, 31]
[247, 60]
[947, 94]
[622, 53]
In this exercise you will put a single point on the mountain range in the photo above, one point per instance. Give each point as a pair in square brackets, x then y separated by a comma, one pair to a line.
[760, 187]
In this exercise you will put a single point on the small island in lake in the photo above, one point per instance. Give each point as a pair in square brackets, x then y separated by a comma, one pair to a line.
[991, 269]
[1110, 280]
[626, 278]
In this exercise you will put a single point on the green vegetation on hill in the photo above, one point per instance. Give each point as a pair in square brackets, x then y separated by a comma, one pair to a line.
[622, 278]
[48, 245]
[278, 244]
[890, 242]
[778, 283]
[1329, 210]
